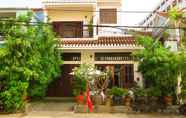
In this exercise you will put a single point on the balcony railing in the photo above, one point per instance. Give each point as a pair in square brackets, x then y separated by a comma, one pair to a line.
[69, 1]
[113, 57]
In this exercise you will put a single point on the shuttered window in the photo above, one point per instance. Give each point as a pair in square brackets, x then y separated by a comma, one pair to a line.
[108, 16]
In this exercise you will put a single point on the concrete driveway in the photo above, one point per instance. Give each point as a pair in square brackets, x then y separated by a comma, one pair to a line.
[59, 114]
[65, 110]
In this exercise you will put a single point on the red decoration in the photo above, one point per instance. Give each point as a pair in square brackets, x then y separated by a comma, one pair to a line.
[80, 99]
[88, 100]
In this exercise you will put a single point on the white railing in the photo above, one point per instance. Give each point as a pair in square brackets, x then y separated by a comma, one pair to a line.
[110, 31]
[69, 1]
[182, 4]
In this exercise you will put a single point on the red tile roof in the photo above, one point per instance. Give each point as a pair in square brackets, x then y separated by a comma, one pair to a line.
[117, 41]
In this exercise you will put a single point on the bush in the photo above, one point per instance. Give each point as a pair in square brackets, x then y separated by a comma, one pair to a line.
[140, 92]
[115, 91]
[29, 61]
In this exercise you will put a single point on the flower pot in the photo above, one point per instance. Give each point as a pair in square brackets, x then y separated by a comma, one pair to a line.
[127, 101]
[117, 100]
[168, 100]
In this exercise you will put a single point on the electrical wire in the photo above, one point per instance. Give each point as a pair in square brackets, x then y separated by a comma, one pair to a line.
[106, 26]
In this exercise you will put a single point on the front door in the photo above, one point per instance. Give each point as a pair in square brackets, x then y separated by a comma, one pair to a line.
[122, 75]
[62, 86]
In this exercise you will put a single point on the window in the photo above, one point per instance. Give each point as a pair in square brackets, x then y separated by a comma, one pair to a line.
[39, 15]
[108, 16]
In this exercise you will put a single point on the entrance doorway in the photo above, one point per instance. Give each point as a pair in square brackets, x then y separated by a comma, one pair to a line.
[62, 86]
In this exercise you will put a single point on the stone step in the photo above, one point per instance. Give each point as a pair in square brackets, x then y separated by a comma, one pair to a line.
[53, 104]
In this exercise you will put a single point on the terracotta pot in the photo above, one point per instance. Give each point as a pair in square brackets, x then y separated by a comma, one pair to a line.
[168, 100]
[117, 100]
[127, 101]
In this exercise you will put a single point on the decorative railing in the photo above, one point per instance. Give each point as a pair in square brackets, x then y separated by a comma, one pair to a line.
[70, 1]
[71, 56]
[113, 57]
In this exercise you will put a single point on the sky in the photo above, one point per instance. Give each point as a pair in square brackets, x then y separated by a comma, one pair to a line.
[137, 5]
[128, 5]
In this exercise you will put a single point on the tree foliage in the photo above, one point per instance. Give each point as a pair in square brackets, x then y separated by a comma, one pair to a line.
[160, 67]
[29, 60]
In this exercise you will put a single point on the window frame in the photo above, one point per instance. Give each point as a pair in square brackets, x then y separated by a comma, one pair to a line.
[102, 17]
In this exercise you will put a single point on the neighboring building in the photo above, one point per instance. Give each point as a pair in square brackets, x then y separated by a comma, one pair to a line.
[155, 19]
[105, 47]
[9, 8]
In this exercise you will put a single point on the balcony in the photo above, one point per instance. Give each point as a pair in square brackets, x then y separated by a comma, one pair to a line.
[72, 29]
[69, 1]
[113, 57]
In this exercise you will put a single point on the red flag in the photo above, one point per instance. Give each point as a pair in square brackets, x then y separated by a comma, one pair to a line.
[88, 100]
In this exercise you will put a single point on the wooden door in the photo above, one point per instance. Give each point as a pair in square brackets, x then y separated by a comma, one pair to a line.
[72, 29]
[128, 75]
[62, 86]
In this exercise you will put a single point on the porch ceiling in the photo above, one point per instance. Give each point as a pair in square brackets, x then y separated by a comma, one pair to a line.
[117, 42]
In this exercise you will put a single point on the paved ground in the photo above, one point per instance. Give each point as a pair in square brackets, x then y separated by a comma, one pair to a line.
[64, 110]
[58, 114]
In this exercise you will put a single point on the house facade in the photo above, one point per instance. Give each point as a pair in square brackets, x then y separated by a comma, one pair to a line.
[156, 19]
[87, 33]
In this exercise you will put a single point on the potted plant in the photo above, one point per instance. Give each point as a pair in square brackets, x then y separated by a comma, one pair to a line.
[140, 102]
[117, 95]
[140, 95]
[168, 100]
[168, 91]
[153, 94]
[90, 27]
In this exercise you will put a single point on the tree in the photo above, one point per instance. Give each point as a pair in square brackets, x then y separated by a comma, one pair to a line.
[29, 60]
[158, 65]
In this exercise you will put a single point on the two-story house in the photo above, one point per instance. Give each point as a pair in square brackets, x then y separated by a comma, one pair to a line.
[87, 33]
[159, 18]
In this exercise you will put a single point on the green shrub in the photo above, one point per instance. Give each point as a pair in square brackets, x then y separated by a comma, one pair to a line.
[115, 91]
[140, 92]
[29, 61]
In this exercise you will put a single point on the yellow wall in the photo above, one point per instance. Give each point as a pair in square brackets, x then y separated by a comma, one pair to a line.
[61, 15]
[87, 57]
